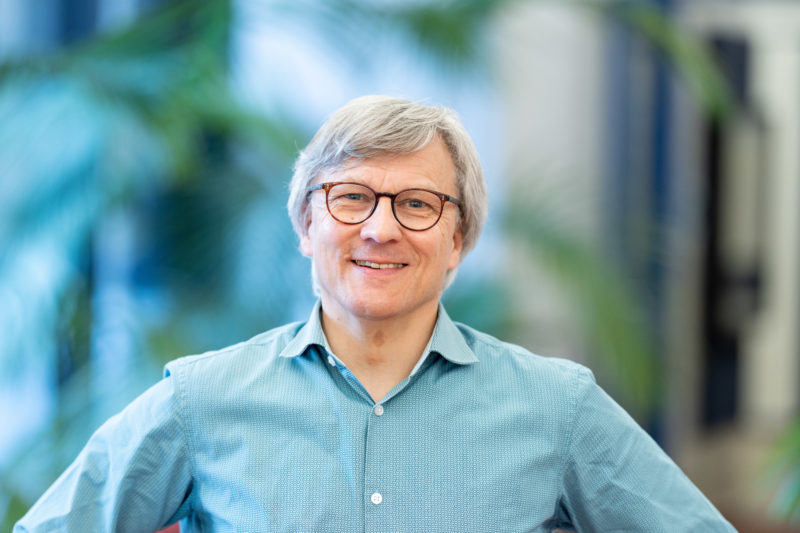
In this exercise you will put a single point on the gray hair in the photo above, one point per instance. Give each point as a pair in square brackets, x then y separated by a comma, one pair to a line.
[371, 126]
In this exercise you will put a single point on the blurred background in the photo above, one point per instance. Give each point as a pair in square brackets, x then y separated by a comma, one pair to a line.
[643, 166]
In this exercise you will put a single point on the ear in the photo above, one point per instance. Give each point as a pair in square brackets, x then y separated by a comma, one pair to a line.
[305, 240]
[455, 253]
[305, 246]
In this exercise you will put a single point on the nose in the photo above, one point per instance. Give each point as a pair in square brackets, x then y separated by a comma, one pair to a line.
[381, 226]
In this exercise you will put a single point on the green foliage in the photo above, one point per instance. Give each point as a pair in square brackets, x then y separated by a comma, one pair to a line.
[15, 508]
[483, 305]
[784, 472]
[452, 32]
[684, 53]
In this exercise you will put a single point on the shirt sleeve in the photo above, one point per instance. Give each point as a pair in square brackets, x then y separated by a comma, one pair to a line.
[133, 475]
[617, 478]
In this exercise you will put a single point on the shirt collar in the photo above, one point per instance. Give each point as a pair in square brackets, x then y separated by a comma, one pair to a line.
[311, 333]
[446, 340]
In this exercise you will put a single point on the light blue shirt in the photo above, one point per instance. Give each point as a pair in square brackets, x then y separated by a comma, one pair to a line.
[276, 434]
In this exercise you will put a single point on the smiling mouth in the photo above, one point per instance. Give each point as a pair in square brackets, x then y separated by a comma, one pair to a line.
[380, 266]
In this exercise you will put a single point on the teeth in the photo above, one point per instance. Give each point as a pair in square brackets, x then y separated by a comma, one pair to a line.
[370, 264]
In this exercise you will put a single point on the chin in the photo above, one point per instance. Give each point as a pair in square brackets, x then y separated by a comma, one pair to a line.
[375, 311]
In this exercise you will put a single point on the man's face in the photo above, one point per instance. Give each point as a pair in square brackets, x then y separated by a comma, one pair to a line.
[417, 260]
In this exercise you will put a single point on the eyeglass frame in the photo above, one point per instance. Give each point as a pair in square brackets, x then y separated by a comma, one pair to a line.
[327, 186]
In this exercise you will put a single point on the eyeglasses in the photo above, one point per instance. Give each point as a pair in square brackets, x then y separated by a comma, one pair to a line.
[353, 203]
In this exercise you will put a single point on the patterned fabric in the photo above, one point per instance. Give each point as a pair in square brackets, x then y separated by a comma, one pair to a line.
[276, 434]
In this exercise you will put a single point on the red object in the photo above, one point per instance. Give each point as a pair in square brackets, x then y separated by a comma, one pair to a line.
[174, 528]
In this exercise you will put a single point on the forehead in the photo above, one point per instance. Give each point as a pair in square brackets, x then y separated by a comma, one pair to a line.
[430, 167]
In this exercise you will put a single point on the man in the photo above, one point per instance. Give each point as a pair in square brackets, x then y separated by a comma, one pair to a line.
[378, 413]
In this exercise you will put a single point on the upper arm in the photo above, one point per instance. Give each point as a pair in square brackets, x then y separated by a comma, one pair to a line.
[616, 478]
[134, 474]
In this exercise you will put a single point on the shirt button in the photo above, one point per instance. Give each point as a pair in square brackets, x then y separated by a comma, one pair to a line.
[378, 410]
[331, 360]
[376, 498]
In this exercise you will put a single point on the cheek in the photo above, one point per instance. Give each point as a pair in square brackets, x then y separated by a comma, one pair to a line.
[324, 237]
[450, 246]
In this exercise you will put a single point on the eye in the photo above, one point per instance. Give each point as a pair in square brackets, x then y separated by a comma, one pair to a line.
[415, 203]
[348, 193]
[418, 204]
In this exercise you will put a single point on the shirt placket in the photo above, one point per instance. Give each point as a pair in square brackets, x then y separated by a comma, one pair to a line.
[379, 497]
[382, 494]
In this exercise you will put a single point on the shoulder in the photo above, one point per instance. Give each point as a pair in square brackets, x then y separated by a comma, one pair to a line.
[243, 357]
[497, 356]
[552, 388]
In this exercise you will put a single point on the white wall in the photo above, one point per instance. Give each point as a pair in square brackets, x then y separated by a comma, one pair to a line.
[548, 67]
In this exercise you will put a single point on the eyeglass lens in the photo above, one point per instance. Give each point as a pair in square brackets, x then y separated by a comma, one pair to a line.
[415, 209]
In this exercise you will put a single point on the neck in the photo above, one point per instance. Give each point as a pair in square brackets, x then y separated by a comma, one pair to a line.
[380, 353]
